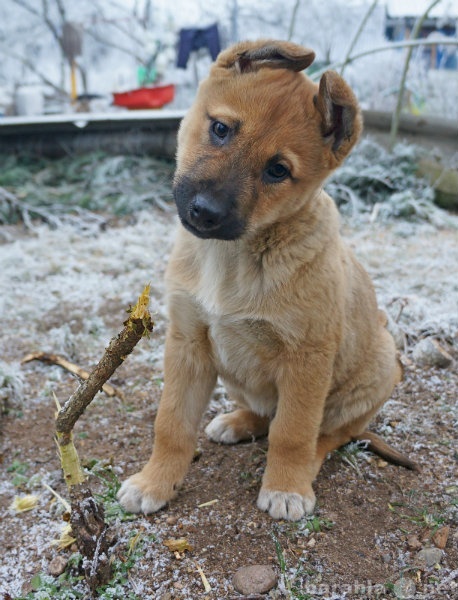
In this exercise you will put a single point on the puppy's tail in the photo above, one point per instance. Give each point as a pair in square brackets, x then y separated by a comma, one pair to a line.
[378, 446]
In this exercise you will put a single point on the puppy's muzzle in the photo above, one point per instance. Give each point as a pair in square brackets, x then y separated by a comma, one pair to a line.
[206, 214]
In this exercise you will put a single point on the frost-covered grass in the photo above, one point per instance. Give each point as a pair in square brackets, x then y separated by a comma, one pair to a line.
[73, 187]
[78, 189]
[385, 184]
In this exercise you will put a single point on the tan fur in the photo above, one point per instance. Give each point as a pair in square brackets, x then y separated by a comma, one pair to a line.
[282, 312]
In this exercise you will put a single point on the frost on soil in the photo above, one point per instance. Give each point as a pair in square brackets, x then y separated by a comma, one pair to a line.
[65, 290]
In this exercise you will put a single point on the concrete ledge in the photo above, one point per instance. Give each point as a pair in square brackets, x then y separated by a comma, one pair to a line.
[142, 131]
[419, 125]
[154, 132]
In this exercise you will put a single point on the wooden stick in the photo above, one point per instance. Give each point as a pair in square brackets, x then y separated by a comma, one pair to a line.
[55, 359]
[137, 325]
[92, 534]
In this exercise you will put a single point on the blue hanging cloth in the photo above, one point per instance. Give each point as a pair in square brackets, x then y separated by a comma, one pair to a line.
[194, 39]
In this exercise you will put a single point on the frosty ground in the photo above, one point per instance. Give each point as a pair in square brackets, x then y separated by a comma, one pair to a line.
[66, 291]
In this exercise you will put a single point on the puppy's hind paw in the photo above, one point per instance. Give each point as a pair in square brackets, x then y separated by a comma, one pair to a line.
[220, 430]
[135, 497]
[286, 505]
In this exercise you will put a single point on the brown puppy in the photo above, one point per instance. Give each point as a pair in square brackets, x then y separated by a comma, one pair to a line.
[262, 290]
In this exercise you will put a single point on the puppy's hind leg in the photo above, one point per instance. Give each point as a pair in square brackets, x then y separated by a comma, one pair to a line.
[241, 424]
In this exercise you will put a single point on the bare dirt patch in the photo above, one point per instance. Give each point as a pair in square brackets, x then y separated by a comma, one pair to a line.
[64, 291]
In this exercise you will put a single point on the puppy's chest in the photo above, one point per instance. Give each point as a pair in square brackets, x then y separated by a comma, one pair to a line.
[239, 345]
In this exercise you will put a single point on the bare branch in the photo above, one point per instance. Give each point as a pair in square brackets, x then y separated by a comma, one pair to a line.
[113, 45]
[292, 23]
[32, 67]
[61, 9]
[390, 46]
[397, 112]
[27, 7]
[126, 32]
[47, 19]
[44, 16]
[55, 359]
[358, 33]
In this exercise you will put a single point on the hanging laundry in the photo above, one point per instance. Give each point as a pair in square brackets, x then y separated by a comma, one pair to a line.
[193, 39]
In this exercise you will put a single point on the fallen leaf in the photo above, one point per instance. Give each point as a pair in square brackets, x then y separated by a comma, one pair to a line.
[22, 504]
[178, 545]
[209, 503]
[66, 539]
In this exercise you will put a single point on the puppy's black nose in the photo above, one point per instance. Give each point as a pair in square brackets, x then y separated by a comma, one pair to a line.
[204, 213]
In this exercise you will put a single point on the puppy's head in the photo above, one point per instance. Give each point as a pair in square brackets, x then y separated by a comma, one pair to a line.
[260, 139]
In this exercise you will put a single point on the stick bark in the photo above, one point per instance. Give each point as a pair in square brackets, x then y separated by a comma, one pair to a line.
[137, 325]
[92, 535]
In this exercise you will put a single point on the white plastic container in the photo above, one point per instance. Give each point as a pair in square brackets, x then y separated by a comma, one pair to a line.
[29, 100]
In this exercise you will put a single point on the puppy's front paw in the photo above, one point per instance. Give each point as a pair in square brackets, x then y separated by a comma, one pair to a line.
[286, 505]
[137, 495]
[221, 430]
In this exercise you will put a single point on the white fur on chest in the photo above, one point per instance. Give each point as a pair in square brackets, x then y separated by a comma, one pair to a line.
[244, 352]
[228, 284]
[244, 344]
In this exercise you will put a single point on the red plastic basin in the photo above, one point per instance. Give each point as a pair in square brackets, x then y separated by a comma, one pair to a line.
[145, 97]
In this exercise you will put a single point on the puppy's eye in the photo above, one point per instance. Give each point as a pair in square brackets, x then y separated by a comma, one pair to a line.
[276, 173]
[220, 129]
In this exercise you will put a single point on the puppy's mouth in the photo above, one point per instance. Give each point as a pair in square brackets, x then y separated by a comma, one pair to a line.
[220, 233]
[227, 231]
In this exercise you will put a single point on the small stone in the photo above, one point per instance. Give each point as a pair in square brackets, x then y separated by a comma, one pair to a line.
[57, 566]
[256, 579]
[441, 536]
[413, 543]
[404, 588]
[171, 520]
[429, 353]
[429, 556]
[382, 463]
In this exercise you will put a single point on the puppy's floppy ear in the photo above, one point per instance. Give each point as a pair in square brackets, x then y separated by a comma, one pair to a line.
[341, 121]
[275, 55]
[247, 57]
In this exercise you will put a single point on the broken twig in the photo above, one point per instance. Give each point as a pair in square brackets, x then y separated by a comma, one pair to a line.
[137, 325]
[55, 359]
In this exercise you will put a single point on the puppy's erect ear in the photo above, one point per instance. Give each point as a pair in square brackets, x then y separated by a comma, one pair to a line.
[341, 121]
[247, 57]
